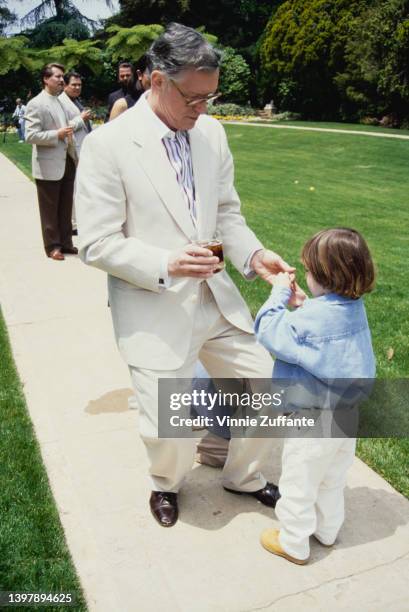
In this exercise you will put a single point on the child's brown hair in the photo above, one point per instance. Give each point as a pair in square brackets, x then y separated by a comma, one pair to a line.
[340, 261]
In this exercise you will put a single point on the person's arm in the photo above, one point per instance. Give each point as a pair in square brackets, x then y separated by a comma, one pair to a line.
[275, 326]
[110, 103]
[101, 215]
[118, 108]
[77, 123]
[36, 135]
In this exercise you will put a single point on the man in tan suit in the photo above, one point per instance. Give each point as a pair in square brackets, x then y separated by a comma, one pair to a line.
[149, 184]
[53, 162]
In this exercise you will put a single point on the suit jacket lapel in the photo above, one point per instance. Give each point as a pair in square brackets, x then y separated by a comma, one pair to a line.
[66, 100]
[153, 159]
[52, 112]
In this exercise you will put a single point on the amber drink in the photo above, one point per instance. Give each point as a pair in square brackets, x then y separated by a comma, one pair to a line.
[216, 247]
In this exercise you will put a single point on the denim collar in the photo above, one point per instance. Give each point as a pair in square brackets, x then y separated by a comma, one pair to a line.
[334, 298]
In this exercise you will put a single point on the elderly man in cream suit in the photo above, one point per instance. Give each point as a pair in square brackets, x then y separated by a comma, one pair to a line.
[53, 162]
[149, 184]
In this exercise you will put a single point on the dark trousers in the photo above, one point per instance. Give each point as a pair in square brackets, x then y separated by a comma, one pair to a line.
[55, 202]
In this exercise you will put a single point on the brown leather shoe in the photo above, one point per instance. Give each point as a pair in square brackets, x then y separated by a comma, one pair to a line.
[56, 254]
[70, 250]
[268, 495]
[164, 507]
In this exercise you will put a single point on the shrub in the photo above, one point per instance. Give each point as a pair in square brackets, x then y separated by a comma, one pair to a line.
[286, 116]
[234, 77]
[369, 121]
[223, 110]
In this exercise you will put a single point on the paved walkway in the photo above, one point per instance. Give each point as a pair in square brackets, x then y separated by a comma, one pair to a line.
[280, 126]
[77, 387]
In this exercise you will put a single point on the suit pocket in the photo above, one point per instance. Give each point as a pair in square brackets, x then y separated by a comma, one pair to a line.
[117, 283]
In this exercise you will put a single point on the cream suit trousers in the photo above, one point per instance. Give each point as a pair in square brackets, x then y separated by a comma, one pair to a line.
[312, 491]
[226, 352]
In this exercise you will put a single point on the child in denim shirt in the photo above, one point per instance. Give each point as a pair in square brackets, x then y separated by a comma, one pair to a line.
[328, 337]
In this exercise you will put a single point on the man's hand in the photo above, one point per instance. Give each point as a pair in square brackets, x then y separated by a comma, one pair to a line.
[267, 264]
[86, 114]
[283, 279]
[64, 132]
[194, 261]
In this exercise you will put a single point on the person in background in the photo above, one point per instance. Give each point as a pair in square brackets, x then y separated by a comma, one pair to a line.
[124, 75]
[53, 162]
[327, 338]
[18, 117]
[79, 118]
[137, 84]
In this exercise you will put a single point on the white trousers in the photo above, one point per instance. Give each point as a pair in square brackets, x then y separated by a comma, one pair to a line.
[226, 352]
[312, 491]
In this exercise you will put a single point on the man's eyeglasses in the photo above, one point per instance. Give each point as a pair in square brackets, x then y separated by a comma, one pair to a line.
[193, 101]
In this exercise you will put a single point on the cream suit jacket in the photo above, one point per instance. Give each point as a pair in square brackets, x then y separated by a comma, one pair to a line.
[49, 153]
[131, 213]
[74, 120]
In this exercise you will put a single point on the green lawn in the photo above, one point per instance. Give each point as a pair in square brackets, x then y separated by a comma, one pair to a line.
[343, 126]
[19, 153]
[358, 181]
[33, 552]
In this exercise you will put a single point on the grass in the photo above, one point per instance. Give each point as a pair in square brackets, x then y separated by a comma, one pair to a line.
[33, 552]
[34, 556]
[18, 153]
[360, 182]
[342, 126]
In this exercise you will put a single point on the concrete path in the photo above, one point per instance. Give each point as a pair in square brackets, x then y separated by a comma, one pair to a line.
[280, 126]
[77, 388]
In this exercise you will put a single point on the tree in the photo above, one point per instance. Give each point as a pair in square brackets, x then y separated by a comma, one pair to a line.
[73, 53]
[376, 78]
[234, 77]
[150, 11]
[7, 17]
[237, 23]
[52, 32]
[15, 55]
[303, 48]
[59, 9]
[131, 43]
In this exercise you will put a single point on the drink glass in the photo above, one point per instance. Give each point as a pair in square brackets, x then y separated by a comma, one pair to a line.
[215, 245]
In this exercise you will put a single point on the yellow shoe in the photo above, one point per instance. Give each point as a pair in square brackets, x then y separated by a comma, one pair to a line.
[269, 540]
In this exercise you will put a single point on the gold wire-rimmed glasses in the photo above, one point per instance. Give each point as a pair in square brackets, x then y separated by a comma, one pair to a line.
[193, 101]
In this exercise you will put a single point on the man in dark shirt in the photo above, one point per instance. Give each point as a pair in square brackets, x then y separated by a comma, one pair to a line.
[124, 75]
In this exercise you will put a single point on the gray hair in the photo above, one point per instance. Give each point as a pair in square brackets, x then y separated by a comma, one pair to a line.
[180, 48]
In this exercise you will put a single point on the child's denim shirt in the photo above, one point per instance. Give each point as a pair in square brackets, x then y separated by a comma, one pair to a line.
[327, 337]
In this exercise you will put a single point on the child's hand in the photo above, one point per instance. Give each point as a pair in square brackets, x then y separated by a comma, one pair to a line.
[297, 296]
[282, 279]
